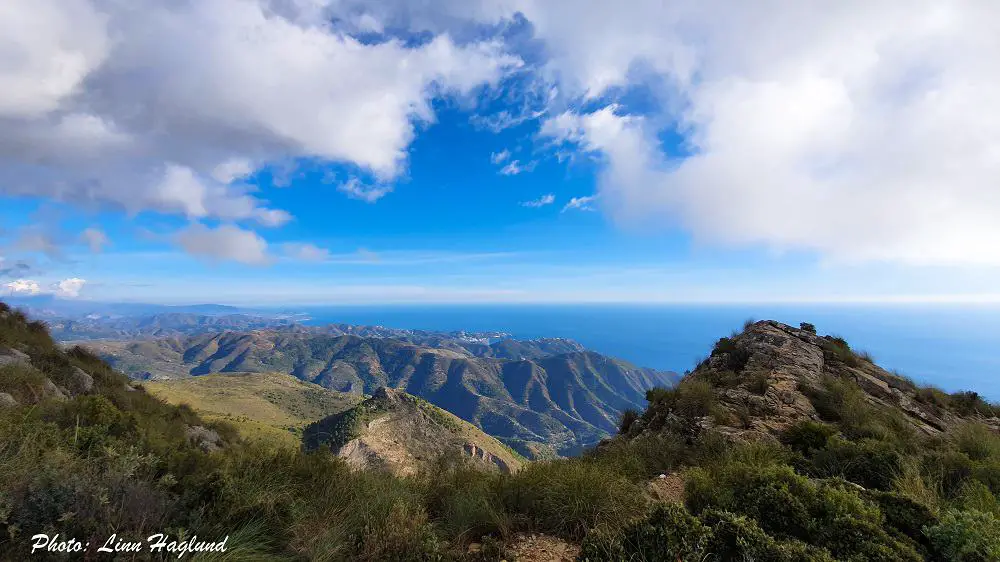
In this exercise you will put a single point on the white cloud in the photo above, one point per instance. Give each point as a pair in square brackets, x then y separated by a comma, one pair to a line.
[885, 146]
[580, 203]
[225, 242]
[69, 288]
[356, 189]
[499, 157]
[305, 252]
[542, 201]
[23, 286]
[857, 131]
[94, 238]
[165, 108]
[515, 167]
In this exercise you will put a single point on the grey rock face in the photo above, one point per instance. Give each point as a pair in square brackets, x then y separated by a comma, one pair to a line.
[80, 382]
[14, 357]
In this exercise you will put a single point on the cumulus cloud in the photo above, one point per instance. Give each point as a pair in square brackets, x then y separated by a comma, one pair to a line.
[23, 287]
[580, 203]
[168, 107]
[858, 132]
[885, 146]
[69, 288]
[852, 130]
[499, 157]
[542, 201]
[225, 242]
[305, 252]
[94, 238]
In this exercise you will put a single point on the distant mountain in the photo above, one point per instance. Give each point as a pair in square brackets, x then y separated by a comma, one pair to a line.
[539, 396]
[157, 325]
[403, 434]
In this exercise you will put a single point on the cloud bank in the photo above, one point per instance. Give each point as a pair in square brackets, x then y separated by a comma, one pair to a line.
[852, 131]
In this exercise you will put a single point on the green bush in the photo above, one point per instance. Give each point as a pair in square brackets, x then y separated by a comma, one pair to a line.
[903, 514]
[736, 357]
[868, 462]
[568, 497]
[628, 417]
[669, 533]
[830, 515]
[971, 536]
[977, 441]
[807, 435]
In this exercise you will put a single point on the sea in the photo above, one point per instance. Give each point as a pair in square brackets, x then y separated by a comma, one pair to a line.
[955, 347]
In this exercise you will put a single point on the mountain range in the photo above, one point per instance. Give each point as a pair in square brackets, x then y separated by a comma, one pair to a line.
[542, 397]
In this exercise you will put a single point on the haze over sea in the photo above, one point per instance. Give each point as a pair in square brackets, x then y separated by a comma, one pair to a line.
[951, 346]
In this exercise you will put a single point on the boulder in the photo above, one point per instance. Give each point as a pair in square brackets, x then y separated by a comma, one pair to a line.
[207, 439]
[7, 401]
[79, 381]
[50, 390]
[14, 357]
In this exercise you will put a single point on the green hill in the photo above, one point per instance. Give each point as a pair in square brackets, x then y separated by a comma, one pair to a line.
[270, 406]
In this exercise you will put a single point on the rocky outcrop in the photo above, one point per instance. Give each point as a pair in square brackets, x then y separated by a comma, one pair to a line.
[79, 381]
[207, 439]
[10, 356]
[404, 435]
[762, 380]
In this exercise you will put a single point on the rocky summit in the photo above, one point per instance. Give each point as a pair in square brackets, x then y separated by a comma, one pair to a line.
[772, 376]
[404, 435]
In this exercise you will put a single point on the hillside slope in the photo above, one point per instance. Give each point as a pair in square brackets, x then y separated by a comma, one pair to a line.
[550, 403]
[269, 406]
[405, 435]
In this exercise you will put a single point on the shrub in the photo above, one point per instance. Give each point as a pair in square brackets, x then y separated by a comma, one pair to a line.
[806, 436]
[976, 495]
[735, 537]
[971, 403]
[825, 514]
[628, 417]
[736, 357]
[907, 516]
[669, 533]
[691, 398]
[977, 441]
[966, 536]
[947, 470]
[868, 462]
[807, 327]
[568, 497]
[759, 384]
[696, 398]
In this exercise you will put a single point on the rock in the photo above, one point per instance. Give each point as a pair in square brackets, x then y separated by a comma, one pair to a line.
[207, 439]
[14, 357]
[7, 401]
[80, 382]
[50, 390]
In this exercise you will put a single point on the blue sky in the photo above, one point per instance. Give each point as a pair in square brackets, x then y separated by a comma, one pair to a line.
[497, 152]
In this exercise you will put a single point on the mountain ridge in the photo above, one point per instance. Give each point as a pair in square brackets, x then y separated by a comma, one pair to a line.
[543, 397]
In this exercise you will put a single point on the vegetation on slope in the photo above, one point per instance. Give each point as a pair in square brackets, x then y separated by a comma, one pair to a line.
[110, 459]
[267, 406]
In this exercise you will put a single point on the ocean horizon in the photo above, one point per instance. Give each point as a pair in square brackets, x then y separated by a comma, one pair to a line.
[951, 346]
